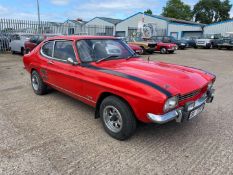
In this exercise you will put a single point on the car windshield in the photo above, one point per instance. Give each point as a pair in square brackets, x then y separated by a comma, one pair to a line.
[138, 39]
[90, 50]
[210, 36]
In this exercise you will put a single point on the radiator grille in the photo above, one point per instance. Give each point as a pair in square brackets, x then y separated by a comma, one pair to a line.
[189, 95]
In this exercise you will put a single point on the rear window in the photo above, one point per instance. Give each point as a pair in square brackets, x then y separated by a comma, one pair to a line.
[47, 49]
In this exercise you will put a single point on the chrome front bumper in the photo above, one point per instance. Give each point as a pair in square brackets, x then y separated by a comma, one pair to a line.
[179, 114]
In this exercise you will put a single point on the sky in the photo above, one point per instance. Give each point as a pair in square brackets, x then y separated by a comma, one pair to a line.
[61, 10]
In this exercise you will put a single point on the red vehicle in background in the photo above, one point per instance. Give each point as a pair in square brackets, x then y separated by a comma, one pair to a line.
[164, 48]
[34, 41]
[136, 48]
[104, 73]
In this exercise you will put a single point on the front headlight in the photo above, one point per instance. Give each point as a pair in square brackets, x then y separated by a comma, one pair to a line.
[171, 103]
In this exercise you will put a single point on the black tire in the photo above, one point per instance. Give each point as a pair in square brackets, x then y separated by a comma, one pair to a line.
[12, 52]
[150, 52]
[27, 51]
[171, 52]
[42, 87]
[129, 122]
[143, 50]
[163, 50]
[22, 51]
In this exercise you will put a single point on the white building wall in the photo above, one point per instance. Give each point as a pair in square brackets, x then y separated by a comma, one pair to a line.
[133, 22]
[179, 28]
[101, 24]
[219, 28]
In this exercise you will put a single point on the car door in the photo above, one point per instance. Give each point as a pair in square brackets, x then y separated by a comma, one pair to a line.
[14, 43]
[62, 74]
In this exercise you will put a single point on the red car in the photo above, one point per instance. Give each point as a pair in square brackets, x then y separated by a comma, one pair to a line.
[165, 47]
[136, 48]
[103, 72]
[34, 41]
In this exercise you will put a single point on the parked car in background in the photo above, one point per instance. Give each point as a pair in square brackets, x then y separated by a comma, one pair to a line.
[34, 41]
[208, 41]
[190, 42]
[17, 43]
[164, 48]
[225, 43]
[147, 46]
[137, 49]
[170, 39]
[123, 88]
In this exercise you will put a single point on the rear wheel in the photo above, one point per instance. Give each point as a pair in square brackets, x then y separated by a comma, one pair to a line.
[22, 51]
[12, 52]
[38, 86]
[27, 51]
[117, 118]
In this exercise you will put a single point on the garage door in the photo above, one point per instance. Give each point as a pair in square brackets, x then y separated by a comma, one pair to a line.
[189, 34]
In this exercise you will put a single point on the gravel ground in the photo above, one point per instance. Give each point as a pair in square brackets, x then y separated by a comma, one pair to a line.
[55, 134]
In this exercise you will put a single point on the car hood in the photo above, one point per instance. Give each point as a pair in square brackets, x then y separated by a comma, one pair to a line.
[174, 78]
[134, 46]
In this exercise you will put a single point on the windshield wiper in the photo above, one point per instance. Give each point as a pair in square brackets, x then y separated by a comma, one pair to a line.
[106, 58]
[132, 56]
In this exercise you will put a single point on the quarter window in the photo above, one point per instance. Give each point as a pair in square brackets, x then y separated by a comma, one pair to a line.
[47, 49]
[64, 50]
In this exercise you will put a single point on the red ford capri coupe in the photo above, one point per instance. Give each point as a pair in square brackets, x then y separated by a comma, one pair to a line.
[105, 73]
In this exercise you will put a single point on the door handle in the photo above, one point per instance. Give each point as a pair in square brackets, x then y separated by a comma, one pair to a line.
[50, 62]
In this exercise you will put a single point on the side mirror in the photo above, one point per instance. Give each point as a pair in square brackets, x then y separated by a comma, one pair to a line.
[71, 61]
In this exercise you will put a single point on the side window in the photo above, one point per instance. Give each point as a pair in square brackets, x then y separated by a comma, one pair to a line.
[33, 39]
[63, 50]
[47, 49]
[166, 39]
[16, 37]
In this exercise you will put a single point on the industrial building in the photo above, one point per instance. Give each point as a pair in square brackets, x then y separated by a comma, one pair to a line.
[219, 27]
[158, 25]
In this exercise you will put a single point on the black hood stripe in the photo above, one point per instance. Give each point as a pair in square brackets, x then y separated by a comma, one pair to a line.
[134, 78]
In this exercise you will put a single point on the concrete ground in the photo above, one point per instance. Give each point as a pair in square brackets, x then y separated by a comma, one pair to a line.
[55, 134]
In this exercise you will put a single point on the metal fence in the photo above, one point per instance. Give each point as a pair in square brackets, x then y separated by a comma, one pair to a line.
[10, 27]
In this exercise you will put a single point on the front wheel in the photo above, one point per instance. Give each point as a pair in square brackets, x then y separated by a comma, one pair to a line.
[117, 118]
[163, 50]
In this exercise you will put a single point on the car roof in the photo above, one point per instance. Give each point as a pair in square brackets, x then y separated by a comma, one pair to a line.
[79, 37]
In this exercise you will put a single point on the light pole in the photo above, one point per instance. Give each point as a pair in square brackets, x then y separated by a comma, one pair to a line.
[38, 13]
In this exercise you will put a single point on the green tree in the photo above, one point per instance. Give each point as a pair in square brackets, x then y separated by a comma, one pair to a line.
[148, 11]
[177, 9]
[209, 11]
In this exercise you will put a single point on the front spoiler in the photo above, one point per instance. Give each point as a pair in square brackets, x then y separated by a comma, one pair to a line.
[179, 114]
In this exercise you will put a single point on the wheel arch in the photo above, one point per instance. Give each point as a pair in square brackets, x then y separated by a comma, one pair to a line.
[104, 95]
